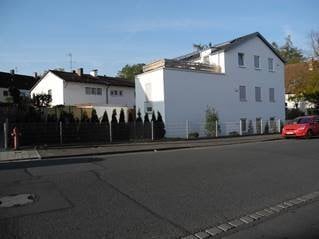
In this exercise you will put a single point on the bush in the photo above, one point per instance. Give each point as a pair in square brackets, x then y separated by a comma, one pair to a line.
[250, 128]
[211, 120]
[266, 130]
[193, 135]
[234, 133]
[293, 113]
[159, 126]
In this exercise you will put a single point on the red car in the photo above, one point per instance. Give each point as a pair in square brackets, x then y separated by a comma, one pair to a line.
[305, 126]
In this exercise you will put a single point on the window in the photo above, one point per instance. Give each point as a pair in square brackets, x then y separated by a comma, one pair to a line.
[120, 92]
[93, 91]
[243, 123]
[50, 92]
[242, 93]
[271, 94]
[256, 62]
[5, 93]
[270, 64]
[241, 60]
[257, 93]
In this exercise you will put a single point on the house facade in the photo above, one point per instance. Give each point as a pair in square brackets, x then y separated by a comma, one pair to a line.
[77, 88]
[242, 79]
[22, 82]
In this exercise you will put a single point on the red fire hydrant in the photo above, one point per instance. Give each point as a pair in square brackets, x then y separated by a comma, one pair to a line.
[16, 135]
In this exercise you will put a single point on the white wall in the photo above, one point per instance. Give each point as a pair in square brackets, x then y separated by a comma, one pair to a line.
[73, 93]
[156, 98]
[126, 99]
[51, 82]
[187, 93]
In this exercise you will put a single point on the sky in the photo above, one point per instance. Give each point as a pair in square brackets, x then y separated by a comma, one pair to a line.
[37, 35]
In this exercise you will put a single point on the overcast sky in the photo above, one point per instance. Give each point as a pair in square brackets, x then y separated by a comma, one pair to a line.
[36, 35]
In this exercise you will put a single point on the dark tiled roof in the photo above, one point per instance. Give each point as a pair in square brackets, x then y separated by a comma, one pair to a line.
[86, 78]
[19, 81]
[229, 45]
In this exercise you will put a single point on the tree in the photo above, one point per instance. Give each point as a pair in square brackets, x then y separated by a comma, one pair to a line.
[314, 36]
[211, 120]
[122, 116]
[288, 51]
[94, 117]
[308, 87]
[105, 118]
[114, 119]
[41, 100]
[130, 71]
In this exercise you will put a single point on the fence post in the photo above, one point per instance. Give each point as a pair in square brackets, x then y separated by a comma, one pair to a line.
[279, 126]
[152, 126]
[187, 129]
[61, 132]
[240, 128]
[216, 128]
[110, 128]
[5, 134]
[261, 126]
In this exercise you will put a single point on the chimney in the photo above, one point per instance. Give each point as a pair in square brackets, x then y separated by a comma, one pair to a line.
[36, 75]
[12, 72]
[93, 72]
[79, 71]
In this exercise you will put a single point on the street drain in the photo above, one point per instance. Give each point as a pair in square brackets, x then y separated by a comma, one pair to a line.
[17, 200]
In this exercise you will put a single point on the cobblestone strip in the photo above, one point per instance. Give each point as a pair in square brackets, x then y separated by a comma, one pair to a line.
[218, 230]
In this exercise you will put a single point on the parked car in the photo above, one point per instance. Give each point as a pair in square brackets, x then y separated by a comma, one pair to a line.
[305, 126]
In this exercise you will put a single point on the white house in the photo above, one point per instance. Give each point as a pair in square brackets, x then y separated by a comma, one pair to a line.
[76, 88]
[243, 79]
[22, 82]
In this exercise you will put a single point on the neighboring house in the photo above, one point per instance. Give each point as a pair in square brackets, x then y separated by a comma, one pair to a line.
[22, 82]
[295, 75]
[243, 79]
[76, 88]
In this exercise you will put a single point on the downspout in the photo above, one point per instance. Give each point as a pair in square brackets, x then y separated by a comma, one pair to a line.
[107, 94]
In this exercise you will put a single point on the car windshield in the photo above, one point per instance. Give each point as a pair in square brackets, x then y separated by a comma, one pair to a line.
[302, 120]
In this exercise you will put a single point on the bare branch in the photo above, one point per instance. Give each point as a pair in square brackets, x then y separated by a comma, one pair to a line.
[314, 36]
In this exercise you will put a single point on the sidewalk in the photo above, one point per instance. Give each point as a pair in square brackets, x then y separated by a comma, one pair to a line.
[73, 151]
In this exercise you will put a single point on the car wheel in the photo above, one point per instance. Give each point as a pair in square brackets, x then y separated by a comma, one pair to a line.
[309, 134]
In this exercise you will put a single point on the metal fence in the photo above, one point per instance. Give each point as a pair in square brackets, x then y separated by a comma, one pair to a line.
[32, 134]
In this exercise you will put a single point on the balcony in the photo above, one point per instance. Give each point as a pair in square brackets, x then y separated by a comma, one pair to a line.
[185, 65]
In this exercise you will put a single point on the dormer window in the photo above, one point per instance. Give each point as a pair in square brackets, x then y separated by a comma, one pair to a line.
[241, 59]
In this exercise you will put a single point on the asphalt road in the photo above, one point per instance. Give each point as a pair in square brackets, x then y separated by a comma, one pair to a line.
[168, 194]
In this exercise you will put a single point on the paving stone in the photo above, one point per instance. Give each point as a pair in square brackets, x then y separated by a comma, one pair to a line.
[202, 235]
[214, 231]
[302, 199]
[247, 219]
[190, 237]
[288, 204]
[282, 206]
[255, 216]
[263, 213]
[225, 227]
[276, 208]
[269, 211]
[236, 223]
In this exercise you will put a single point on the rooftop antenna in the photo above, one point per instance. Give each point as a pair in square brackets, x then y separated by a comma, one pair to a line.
[70, 55]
